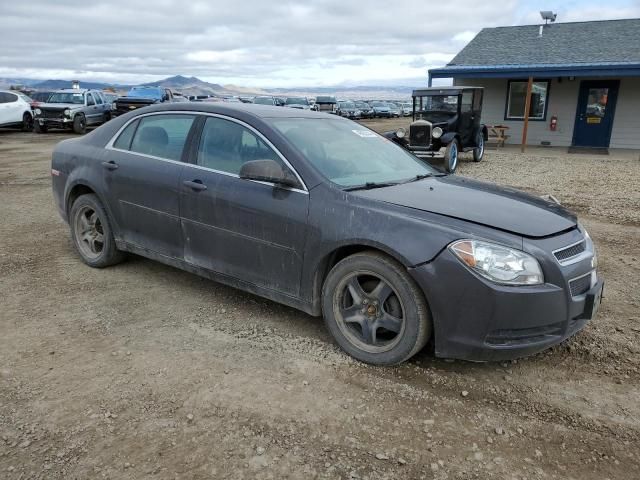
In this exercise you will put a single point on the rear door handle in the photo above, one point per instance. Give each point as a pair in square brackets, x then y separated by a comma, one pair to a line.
[110, 165]
[195, 185]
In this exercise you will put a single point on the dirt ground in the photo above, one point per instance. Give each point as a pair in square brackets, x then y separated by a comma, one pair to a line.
[144, 371]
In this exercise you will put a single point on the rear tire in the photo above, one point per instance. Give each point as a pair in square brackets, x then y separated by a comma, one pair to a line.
[92, 234]
[478, 152]
[79, 124]
[374, 310]
[451, 156]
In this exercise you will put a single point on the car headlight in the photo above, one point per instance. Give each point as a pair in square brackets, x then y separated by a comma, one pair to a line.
[67, 113]
[437, 132]
[401, 132]
[38, 111]
[498, 263]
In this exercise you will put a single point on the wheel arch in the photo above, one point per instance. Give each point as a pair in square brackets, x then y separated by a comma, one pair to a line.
[448, 137]
[331, 258]
[485, 132]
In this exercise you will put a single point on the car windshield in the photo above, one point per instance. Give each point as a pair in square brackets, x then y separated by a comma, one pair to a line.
[349, 154]
[347, 105]
[437, 103]
[361, 105]
[379, 104]
[26, 98]
[297, 101]
[66, 97]
[263, 101]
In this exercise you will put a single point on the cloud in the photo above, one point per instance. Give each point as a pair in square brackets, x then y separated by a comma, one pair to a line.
[253, 42]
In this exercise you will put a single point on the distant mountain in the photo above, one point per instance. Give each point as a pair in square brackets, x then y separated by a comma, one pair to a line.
[196, 86]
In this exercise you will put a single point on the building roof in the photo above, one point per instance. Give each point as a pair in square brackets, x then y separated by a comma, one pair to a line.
[562, 47]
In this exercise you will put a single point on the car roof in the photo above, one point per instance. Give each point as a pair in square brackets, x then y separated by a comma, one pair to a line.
[233, 109]
[73, 90]
[448, 90]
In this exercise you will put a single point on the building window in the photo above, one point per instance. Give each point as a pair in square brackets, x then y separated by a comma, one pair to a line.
[516, 93]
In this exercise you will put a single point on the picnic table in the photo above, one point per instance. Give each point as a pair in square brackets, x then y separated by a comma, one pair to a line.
[497, 134]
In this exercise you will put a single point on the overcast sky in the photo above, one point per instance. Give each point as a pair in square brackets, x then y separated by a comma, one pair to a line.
[259, 43]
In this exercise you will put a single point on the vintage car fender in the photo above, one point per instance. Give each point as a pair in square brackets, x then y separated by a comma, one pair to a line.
[448, 137]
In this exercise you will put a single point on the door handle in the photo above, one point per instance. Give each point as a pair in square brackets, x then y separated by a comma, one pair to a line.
[110, 165]
[195, 185]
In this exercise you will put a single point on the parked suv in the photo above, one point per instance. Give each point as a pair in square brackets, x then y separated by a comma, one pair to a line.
[15, 110]
[72, 108]
[142, 96]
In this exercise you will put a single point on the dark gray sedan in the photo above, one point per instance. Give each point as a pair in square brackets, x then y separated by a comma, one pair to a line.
[322, 214]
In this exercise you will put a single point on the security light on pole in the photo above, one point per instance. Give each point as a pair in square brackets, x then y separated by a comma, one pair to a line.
[548, 16]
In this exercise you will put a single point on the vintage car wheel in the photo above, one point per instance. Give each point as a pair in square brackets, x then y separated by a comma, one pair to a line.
[79, 123]
[91, 233]
[39, 128]
[374, 310]
[27, 122]
[451, 156]
[478, 152]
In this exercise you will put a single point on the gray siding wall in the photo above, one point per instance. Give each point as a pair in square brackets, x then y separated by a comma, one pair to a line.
[563, 100]
[626, 123]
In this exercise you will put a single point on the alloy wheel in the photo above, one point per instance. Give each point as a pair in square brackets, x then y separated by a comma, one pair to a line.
[369, 312]
[89, 232]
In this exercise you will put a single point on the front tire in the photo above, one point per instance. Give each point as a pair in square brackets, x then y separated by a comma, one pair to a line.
[79, 124]
[478, 152]
[39, 128]
[27, 122]
[451, 156]
[92, 234]
[374, 310]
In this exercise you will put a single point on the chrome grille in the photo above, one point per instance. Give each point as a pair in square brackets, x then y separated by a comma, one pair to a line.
[580, 285]
[420, 135]
[52, 114]
[569, 252]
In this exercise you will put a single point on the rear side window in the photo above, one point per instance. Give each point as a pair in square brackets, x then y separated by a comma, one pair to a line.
[6, 97]
[162, 136]
[124, 140]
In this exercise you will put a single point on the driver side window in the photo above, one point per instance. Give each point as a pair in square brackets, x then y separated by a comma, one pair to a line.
[226, 146]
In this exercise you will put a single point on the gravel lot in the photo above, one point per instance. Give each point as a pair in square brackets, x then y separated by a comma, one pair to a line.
[144, 371]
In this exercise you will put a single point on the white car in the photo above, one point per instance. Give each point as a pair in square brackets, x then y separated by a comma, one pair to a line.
[15, 110]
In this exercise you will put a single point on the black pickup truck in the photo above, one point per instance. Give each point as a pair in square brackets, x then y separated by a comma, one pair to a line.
[139, 97]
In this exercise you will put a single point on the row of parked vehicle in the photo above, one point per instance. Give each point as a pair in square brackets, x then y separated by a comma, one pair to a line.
[74, 108]
[78, 108]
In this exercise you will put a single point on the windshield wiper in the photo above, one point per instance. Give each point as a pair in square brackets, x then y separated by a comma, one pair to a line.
[422, 176]
[370, 185]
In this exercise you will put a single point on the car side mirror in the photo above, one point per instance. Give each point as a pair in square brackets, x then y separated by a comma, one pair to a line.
[165, 97]
[268, 171]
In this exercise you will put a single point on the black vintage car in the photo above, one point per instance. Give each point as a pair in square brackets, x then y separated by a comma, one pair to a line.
[445, 117]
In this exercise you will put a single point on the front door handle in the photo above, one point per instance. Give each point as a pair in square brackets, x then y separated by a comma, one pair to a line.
[195, 185]
[110, 165]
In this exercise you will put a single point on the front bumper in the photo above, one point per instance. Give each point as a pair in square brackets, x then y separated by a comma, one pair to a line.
[55, 122]
[426, 152]
[478, 320]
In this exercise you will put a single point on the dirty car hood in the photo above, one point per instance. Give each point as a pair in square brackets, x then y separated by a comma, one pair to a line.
[478, 202]
[59, 106]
